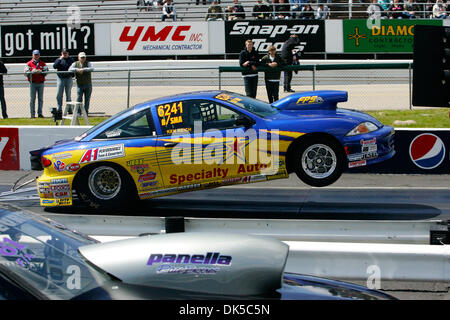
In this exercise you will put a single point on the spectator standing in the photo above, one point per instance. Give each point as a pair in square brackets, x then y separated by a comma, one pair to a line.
[439, 10]
[323, 12]
[396, 10]
[411, 9]
[261, 10]
[374, 10]
[38, 69]
[248, 59]
[214, 12]
[288, 55]
[283, 10]
[83, 70]
[307, 12]
[238, 10]
[168, 11]
[64, 80]
[272, 77]
[2, 90]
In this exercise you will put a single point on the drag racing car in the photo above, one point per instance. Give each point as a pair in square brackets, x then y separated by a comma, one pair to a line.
[42, 259]
[208, 139]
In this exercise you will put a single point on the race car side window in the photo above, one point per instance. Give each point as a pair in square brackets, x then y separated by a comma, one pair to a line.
[182, 115]
[176, 116]
[216, 116]
[139, 124]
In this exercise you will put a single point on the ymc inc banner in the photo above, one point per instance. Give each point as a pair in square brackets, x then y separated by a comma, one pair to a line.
[159, 38]
[383, 35]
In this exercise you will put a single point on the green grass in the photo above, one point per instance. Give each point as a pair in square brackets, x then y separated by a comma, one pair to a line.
[45, 121]
[424, 118]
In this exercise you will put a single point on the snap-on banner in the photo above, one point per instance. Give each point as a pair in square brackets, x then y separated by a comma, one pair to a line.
[21, 40]
[265, 33]
[418, 151]
[9, 149]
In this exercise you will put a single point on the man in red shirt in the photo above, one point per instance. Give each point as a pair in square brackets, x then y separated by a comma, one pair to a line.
[35, 71]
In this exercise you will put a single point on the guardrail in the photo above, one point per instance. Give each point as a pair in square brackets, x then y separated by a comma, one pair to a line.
[333, 249]
[317, 67]
[131, 83]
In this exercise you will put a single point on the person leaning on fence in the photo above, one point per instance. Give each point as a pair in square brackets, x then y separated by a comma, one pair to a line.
[214, 12]
[439, 10]
[238, 10]
[323, 12]
[168, 11]
[396, 10]
[64, 80]
[410, 9]
[288, 54]
[248, 59]
[272, 77]
[307, 12]
[261, 10]
[3, 70]
[83, 73]
[283, 10]
[35, 71]
[374, 10]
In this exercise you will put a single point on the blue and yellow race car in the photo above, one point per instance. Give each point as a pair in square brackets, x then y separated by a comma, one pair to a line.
[208, 139]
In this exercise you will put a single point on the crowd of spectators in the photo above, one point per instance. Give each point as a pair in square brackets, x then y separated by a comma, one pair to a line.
[276, 10]
[409, 9]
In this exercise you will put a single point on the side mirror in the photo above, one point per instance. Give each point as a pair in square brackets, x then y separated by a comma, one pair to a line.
[245, 121]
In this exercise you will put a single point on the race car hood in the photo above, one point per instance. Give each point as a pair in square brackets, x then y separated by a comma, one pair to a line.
[312, 100]
[227, 264]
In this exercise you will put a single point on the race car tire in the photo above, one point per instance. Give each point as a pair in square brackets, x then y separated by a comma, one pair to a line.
[319, 161]
[105, 186]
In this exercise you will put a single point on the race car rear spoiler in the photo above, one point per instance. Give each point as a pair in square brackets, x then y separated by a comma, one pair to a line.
[312, 100]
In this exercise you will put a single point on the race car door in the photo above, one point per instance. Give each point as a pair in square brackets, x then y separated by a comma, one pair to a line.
[136, 137]
[203, 144]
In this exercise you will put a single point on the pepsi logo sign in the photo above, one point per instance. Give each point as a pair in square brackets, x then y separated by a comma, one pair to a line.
[427, 151]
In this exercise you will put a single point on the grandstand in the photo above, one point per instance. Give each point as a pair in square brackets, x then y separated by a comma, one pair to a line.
[59, 11]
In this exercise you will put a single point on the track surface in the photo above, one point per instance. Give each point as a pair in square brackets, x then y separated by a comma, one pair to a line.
[353, 197]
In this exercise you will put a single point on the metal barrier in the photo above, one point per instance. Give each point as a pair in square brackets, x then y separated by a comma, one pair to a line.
[315, 68]
[115, 89]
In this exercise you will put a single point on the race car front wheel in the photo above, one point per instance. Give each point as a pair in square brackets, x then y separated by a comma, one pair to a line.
[319, 161]
[104, 185]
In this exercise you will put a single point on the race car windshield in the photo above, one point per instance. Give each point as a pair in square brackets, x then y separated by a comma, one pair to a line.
[44, 255]
[255, 106]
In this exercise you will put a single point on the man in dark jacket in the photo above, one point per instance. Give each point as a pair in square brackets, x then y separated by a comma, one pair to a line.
[272, 77]
[248, 59]
[64, 81]
[2, 90]
[287, 55]
[238, 10]
[261, 10]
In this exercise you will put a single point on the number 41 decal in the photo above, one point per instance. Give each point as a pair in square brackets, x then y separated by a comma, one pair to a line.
[3, 143]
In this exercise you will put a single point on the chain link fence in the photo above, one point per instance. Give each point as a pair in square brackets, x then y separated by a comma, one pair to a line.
[115, 90]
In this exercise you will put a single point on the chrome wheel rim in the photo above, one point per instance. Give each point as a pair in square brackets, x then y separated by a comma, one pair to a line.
[319, 161]
[104, 182]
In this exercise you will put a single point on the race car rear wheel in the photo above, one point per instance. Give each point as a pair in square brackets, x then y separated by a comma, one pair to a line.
[104, 185]
[319, 161]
